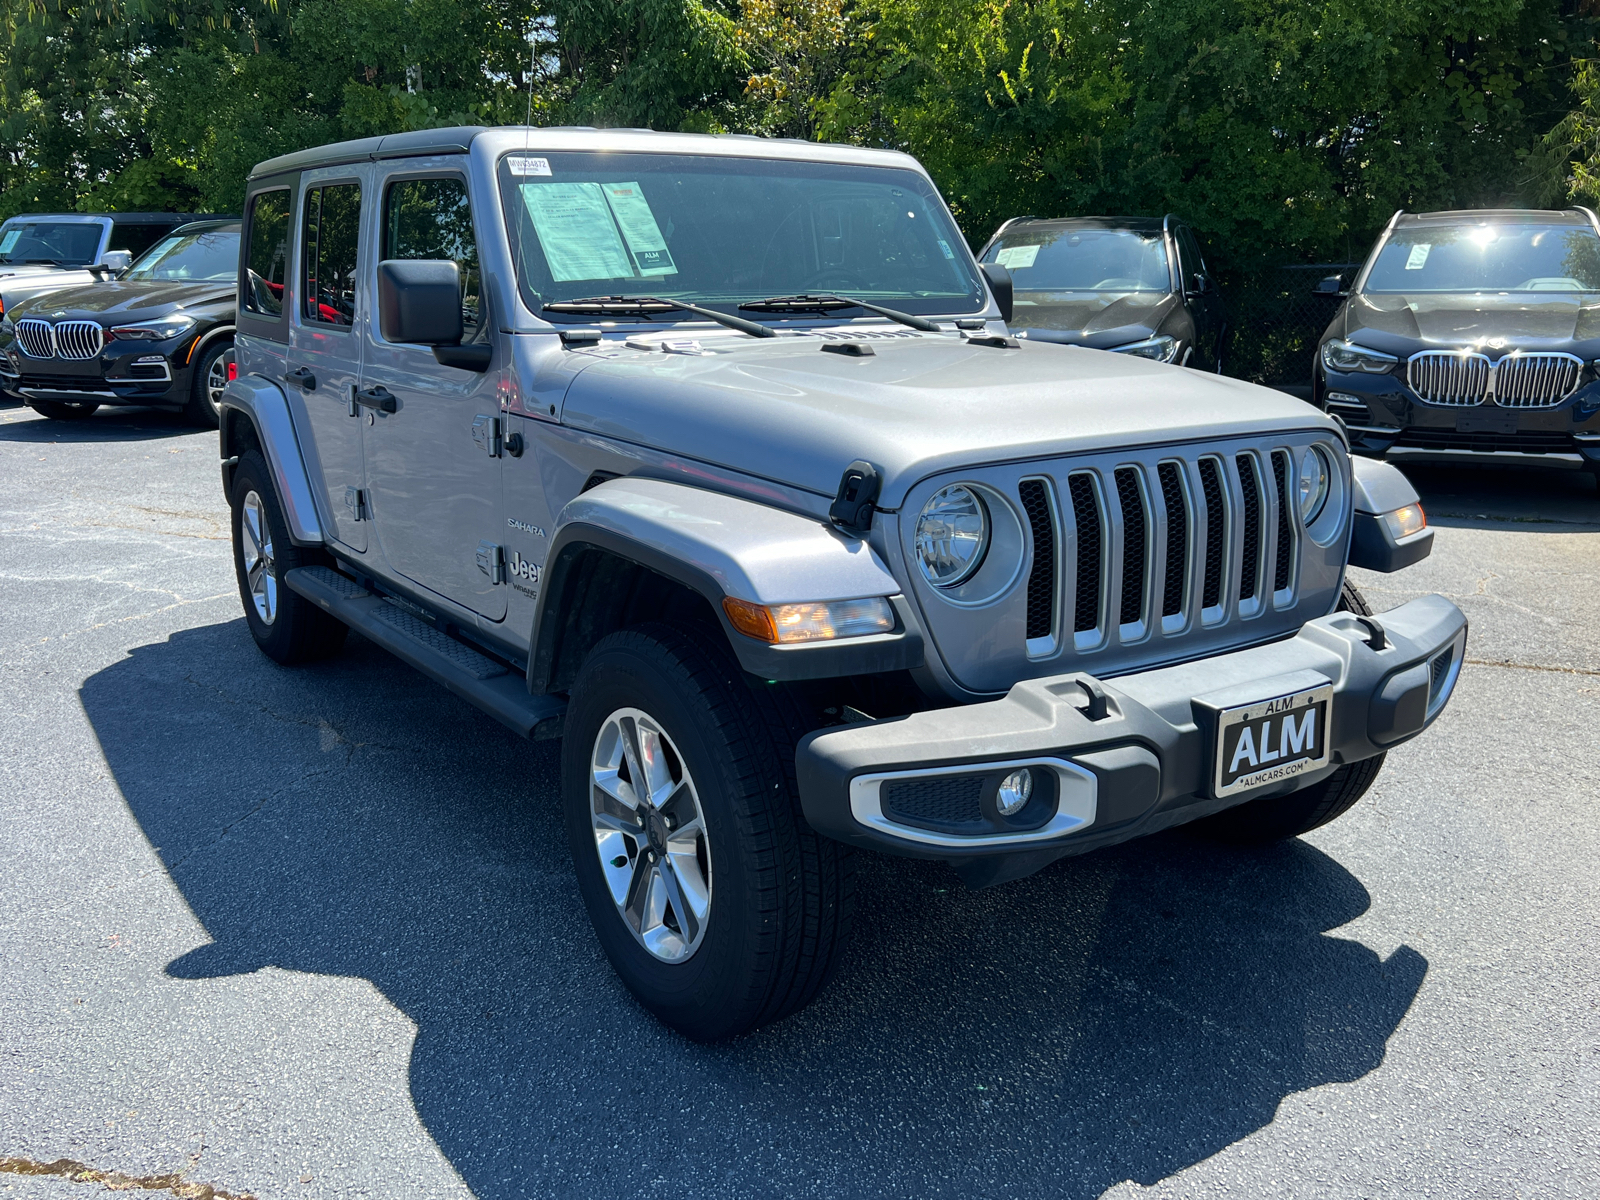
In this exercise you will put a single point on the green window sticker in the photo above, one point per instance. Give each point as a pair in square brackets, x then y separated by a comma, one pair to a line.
[577, 231]
[9, 240]
[639, 229]
[1015, 258]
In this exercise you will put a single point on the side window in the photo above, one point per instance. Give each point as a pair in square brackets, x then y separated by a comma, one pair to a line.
[431, 218]
[333, 223]
[267, 267]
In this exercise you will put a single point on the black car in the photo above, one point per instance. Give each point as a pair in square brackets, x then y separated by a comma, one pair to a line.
[1471, 336]
[161, 335]
[1135, 285]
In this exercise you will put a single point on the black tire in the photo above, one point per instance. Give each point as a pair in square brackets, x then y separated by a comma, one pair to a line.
[58, 410]
[1275, 818]
[201, 408]
[293, 630]
[781, 896]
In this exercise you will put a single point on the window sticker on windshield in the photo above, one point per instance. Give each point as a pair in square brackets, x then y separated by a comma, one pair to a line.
[945, 246]
[1015, 258]
[529, 166]
[1418, 258]
[639, 228]
[577, 231]
[9, 240]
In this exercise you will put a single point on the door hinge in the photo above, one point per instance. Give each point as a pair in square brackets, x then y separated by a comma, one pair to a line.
[355, 499]
[488, 432]
[492, 561]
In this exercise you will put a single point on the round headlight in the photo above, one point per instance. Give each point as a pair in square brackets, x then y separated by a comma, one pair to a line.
[1315, 473]
[952, 535]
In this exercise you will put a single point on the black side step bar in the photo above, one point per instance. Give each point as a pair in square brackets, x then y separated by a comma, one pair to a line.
[474, 677]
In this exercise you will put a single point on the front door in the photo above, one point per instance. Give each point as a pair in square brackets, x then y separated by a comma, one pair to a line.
[434, 462]
[325, 346]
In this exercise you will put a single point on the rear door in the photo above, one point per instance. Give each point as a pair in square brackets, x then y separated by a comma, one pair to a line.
[434, 462]
[325, 345]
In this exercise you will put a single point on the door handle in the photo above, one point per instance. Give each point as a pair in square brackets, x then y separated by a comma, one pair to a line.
[380, 398]
[303, 377]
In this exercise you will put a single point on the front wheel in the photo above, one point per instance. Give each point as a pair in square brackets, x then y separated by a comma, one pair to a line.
[204, 407]
[285, 625]
[1275, 818]
[718, 906]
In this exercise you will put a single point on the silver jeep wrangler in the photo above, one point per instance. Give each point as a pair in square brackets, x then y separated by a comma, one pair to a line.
[712, 457]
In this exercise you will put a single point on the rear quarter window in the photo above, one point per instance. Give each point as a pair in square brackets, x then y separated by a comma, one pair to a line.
[267, 261]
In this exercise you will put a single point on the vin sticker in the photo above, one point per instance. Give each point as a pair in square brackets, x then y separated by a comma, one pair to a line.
[529, 166]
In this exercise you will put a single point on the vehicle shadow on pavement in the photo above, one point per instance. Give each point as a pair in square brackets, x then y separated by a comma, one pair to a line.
[1119, 1016]
[1534, 501]
[107, 425]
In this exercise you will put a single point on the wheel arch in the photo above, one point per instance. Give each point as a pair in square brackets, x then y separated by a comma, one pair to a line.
[255, 416]
[630, 543]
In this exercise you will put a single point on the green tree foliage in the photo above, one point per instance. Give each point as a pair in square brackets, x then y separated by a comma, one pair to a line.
[1284, 129]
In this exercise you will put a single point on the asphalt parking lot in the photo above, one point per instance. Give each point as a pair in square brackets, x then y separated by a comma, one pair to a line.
[313, 932]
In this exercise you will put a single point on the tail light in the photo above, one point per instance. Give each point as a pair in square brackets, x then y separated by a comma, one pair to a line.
[233, 371]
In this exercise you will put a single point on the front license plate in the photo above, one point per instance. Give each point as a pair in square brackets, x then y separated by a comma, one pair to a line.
[1272, 740]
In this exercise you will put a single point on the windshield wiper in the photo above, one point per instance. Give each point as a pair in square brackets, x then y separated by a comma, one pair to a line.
[827, 302]
[645, 305]
[54, 262]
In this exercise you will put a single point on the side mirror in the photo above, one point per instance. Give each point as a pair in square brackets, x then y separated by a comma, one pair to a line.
[1000, 284]
[1200, 285]
[1330, 288]
[117, 260]
[419, 302]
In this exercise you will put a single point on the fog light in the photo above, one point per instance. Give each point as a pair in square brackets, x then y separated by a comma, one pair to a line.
[1403, 522]
[1014, 791]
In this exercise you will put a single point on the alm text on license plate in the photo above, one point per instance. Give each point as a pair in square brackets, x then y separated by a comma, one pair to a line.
[1271, 740]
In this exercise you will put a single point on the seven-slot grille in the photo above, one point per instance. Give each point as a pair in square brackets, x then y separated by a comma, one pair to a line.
[1125, 524]
[1518, 380]
[76, 340]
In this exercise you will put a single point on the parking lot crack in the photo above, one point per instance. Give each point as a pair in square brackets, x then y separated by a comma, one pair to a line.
[173, 1183]
[1518, 666]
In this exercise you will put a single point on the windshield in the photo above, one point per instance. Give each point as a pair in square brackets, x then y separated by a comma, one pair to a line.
[724, 231]
[67, 243]
[208, 254]
[1083, 260]
[1487, 258]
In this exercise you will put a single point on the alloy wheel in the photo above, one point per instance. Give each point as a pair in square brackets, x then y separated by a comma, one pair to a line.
[650, 834]
[259, 569]
[217, 379]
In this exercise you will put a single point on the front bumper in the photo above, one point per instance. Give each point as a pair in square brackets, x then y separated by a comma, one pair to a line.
[116, 376]
[1384, 418]
[1138, 761]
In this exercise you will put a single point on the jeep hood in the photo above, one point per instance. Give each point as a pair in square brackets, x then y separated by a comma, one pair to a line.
[1099, 319]
[127, 299]
[1546, 319]
[786, 410]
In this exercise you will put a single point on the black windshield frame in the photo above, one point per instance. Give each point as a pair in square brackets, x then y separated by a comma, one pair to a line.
[713, 249]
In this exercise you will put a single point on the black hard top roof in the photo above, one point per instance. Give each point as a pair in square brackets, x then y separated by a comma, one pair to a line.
[1050, 224]
[1497, 216]
[390, 145]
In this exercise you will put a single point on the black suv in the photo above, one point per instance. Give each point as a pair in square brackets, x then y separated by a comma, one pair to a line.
[1135, 285]
[162, 335]
[1471, 336]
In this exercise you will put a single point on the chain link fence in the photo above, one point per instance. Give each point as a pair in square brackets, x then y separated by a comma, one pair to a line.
[1274, 323]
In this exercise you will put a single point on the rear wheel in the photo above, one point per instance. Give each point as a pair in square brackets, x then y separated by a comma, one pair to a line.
[1278, 817]
[205, 386]
[718, 906]
[286, 626]
[59, 410]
